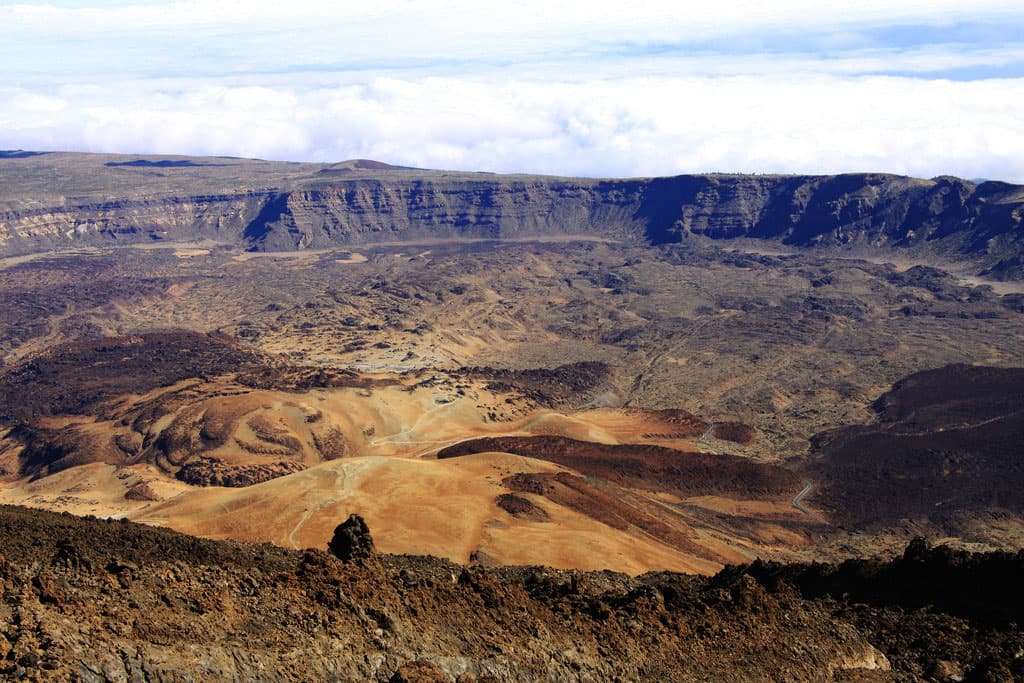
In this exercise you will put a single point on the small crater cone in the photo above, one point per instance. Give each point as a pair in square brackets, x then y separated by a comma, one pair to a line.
[352, 540]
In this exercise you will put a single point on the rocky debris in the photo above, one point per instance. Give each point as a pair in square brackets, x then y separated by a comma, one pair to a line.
[944, 670]
[352, 540]
[214, 472]
[287, 377]
[145, 604]
[550, 387]
[520, 507]
[915, 581]
[419, 671]
[141, 491]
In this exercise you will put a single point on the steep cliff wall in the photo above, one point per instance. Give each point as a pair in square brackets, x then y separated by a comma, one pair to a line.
[371, 210]
[305, 206]
[217, 217]
[873, 209]
[948, 216]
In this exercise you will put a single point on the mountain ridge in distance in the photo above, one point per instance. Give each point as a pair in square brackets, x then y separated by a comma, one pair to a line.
[279, 206]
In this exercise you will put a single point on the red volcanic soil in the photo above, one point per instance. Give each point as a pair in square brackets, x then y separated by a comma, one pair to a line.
[947, 440]
[577, 494]
[653, 468]
[737, 432]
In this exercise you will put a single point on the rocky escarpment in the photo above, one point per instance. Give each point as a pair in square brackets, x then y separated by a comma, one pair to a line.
[371, 210]
[128, 221]
[948, 215]
[297, 206]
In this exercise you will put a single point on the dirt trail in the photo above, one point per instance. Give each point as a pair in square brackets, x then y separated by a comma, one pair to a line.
[340, 488]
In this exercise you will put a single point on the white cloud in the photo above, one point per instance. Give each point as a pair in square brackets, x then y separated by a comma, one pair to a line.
[641, 126]
[570, 87]
[30, 103]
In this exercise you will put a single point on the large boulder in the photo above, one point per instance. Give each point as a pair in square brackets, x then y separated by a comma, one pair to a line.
[352, 540]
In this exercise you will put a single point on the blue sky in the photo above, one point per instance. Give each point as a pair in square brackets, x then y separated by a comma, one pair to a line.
[577, 88]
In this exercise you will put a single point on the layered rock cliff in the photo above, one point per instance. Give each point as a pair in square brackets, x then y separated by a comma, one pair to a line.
[874, 210]
[126, 221]
[374, 210]
[268, 206]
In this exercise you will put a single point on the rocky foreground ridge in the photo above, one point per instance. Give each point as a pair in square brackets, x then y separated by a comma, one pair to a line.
[92, 600]
[56, 201]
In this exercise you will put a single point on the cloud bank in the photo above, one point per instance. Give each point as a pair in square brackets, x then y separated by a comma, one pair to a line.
[921, 88]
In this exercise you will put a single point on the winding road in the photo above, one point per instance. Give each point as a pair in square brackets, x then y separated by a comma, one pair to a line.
[798, 504]
[704, 437]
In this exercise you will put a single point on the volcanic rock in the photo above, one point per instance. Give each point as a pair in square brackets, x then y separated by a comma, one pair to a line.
[352, 540]
[419, 671]
[141, 491]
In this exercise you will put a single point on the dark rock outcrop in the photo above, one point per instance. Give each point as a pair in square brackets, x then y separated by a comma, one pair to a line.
[140, 603]
[141, 491]
[946, 441]
[520, 507]
[352, 540]
[214, 472]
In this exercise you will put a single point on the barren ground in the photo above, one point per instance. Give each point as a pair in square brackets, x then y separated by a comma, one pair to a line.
[266, 397]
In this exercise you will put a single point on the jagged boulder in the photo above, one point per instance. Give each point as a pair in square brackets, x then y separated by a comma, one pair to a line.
[352, 540]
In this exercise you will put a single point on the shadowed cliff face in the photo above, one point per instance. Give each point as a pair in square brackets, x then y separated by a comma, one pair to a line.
[266, 206]
[371, 210]
[869, 209]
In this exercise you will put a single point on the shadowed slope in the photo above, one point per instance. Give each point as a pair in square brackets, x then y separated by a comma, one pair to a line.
[947, 441]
